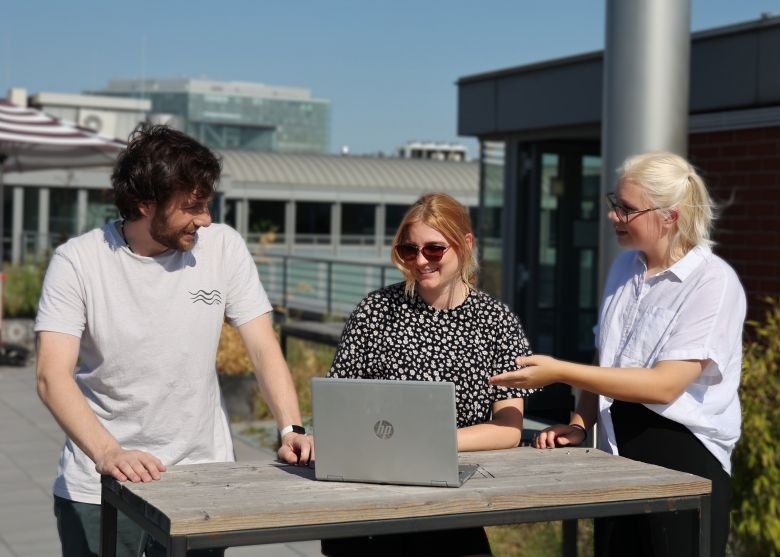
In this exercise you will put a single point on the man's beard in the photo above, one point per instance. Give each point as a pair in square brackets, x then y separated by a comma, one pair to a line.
[168, 237]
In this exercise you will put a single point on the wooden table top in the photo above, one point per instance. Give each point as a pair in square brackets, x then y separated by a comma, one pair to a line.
[225, 497]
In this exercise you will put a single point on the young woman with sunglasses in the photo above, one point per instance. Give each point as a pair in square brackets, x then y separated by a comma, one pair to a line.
[669, 342]
[436, 326]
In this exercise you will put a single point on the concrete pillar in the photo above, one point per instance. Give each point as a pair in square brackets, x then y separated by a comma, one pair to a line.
[17, 225]
[646, 83]
[380, 222]
[82, 197]
[289, 225]
[43, 244]
[335, 228]
[242, 217]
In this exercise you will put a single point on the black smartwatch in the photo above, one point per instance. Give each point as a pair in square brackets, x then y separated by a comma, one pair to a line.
[292, 429]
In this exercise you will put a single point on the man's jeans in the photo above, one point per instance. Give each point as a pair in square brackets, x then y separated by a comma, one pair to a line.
[79, 527]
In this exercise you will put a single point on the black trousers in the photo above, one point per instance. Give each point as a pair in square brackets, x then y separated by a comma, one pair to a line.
[648, 437]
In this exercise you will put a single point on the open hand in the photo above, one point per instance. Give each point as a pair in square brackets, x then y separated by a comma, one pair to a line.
[130, 465]
[535, 371]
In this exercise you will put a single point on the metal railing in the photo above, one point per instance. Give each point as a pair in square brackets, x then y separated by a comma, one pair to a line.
[324, 286]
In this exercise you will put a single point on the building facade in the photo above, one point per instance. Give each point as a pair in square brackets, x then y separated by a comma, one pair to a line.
[112, 117]
[551, 171]
[235, 115]
[434, 151]
[545, 120]
[315, 205]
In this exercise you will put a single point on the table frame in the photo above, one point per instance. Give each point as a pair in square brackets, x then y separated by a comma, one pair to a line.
[114, 498]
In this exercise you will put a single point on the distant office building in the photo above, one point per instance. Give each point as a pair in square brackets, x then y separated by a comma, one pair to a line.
[113, 117]
[235, 115]
[433, 151]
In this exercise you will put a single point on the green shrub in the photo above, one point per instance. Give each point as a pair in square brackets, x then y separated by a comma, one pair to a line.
[22, 289]
[756, 460]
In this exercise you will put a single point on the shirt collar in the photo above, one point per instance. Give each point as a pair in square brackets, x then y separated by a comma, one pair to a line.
[690, 261]
[683, 268]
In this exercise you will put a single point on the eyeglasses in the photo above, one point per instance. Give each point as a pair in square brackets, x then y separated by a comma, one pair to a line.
[431, 252]
[621, 211]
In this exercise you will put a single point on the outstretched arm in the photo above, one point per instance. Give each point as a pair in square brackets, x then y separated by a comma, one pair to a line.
[660, 384]
[277, 386]
[57, 355]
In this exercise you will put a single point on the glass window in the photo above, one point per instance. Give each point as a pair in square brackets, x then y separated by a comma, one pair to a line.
[62, 214]
[357, 223]
[100, 208]
[312, 222]
[266, 220]
[489, 220]
[394, 214]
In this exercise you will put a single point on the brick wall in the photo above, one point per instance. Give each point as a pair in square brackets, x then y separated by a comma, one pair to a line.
[742, 171]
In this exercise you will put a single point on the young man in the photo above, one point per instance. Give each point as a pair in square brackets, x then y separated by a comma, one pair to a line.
[136, 308]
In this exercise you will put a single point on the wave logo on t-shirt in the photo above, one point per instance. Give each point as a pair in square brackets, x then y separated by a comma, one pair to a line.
[208, 298]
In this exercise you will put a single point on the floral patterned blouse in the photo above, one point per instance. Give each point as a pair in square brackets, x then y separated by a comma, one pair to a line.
[393, 336]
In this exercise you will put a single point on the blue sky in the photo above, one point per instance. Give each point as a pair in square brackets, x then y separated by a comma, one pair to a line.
[389, 68]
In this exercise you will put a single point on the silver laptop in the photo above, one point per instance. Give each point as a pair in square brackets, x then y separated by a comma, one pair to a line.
[381, 431]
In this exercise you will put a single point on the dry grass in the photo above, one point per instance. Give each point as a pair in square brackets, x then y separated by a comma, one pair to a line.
[540, 539]
[231, 354]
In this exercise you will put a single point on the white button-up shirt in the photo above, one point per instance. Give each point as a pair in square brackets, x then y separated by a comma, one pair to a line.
[694, 310]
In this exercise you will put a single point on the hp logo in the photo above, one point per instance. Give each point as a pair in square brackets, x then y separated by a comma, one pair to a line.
[383, 429]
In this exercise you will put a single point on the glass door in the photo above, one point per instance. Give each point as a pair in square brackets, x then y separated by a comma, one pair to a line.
[557, 256]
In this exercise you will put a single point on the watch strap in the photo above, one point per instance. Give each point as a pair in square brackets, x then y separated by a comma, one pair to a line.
[292, 429]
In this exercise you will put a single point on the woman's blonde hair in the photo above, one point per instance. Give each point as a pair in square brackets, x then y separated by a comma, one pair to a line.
[672, 183]
[451, 219]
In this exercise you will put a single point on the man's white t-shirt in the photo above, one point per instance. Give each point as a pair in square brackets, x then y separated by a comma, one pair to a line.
[694, 310]
[149, 329]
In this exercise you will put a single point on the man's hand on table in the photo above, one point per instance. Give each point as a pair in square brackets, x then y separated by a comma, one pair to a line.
[125, 465]
[296, 448]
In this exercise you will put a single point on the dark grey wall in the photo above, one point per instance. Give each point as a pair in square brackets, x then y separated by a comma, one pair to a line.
[734, 67]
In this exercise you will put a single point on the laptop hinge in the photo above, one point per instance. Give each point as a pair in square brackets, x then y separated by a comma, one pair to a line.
[335, 478]
[439, 483]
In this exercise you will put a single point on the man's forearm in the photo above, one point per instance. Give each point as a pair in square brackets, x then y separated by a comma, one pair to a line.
[69, 407]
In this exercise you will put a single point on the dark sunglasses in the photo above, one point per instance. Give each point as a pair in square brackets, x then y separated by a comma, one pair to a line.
[431, 252]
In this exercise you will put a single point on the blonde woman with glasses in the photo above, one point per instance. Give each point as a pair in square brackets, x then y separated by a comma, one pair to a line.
[436, 326]
[669, 341]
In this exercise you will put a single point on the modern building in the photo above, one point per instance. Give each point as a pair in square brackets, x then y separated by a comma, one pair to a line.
[235, 115]
[545, 186]
[433, 150]
[318, 205]
[114, 117]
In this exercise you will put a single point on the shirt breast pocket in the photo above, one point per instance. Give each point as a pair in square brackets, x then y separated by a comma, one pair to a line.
[647, 337]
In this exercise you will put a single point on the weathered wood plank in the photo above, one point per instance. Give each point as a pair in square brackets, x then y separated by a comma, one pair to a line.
[232, 496]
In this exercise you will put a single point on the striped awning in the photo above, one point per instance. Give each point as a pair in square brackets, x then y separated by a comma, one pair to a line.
[33, 140]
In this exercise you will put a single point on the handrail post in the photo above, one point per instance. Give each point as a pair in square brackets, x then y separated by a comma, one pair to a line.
[329, 286]
[285, 261]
